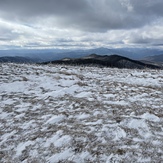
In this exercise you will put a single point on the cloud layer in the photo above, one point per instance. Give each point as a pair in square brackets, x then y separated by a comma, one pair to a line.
[53, 23]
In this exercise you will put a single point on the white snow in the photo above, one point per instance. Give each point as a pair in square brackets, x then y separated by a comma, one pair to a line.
[150, 117]
[56, 119]
[83, 116]
[22, 146]
[53, 113]
[64, 155]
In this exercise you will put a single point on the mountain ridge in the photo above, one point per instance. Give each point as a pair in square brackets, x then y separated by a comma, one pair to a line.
[45, 55]
[16, 59]
[115, 61]
[155, 58]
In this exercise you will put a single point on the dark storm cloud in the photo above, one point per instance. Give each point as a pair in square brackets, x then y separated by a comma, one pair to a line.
[88, 15]
[52, 23]
[36, 8]
[148, 7]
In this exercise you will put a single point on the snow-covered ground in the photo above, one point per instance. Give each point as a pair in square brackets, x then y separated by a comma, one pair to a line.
[51, 114]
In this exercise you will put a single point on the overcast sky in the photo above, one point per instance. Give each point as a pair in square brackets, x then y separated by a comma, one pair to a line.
[80, 23]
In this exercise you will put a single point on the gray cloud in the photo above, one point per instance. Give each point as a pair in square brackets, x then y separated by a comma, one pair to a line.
[59, 20]
[6, 34]
[91, 15]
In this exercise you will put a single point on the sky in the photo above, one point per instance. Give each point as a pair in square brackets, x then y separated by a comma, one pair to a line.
[33, 24]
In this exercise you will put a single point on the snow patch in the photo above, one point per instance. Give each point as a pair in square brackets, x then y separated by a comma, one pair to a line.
[55, 119]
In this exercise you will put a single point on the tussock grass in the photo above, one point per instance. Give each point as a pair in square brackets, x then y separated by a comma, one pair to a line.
[81, 114]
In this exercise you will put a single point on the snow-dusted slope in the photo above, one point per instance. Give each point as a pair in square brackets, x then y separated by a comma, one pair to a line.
[80, 114]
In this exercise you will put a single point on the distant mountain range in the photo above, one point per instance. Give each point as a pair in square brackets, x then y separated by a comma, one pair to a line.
[44, 55]
[156, 58]
[16, 59]
[105, 61]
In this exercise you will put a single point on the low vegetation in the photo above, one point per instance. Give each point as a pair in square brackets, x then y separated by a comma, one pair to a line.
[80, 114]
